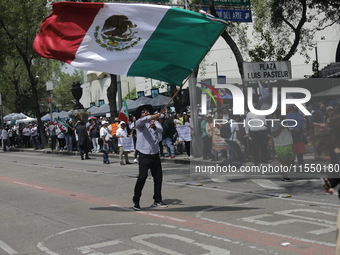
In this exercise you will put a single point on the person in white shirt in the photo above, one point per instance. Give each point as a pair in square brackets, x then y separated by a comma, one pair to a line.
[35, 137]
[26, 134]
[120, 134]
[256, 128]
[104, 136]
[4, 135]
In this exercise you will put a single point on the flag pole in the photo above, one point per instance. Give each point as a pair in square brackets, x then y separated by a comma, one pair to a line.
[166, 106]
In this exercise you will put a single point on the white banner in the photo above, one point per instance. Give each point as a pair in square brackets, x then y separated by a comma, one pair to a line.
[184, 132]
[269, 70]
[128, 143]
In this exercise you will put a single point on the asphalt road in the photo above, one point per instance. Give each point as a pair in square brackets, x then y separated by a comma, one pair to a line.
[58, 204]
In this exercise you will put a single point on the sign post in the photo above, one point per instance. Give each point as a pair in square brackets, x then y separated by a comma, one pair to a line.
[268, 70]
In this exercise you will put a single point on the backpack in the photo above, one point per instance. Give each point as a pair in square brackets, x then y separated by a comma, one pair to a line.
[225, 131]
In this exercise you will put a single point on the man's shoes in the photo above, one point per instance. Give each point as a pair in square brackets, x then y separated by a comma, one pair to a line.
[136, 206]
[128, 163]
[135, 161]
[159, 205]
[106, 162]
[122, 164]
[87, 158]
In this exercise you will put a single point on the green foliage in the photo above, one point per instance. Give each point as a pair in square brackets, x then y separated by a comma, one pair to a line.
[283, 28]
[62, 95]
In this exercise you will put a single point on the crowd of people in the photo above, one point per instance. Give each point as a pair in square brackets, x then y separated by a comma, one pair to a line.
[256, 143]
[97, 135]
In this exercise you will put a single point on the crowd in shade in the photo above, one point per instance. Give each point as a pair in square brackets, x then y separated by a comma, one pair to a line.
[98, 135]
[244, 144]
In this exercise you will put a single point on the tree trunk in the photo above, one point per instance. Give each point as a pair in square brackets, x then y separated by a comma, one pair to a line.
[112, 96]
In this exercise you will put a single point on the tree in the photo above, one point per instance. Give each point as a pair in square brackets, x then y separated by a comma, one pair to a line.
[62, 95]
[19, 23]
[280, 29]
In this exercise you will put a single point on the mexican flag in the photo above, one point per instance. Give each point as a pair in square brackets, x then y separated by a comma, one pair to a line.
[124, 113]
[153, 41]
[62, 124]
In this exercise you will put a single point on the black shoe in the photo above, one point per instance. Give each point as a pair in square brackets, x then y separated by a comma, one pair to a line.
[87, 158]
[285, 179]
[128, 163]
[159, 204]
[82, 158]
[136, 206]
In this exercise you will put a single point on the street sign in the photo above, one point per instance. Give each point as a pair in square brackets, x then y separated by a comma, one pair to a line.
[242, 3]
[267, 70]
[235, 15]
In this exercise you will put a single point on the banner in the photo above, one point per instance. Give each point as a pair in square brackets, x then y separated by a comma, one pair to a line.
[128, 143]
[184, 132]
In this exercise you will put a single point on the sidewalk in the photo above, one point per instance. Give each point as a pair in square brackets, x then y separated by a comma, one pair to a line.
[309, 157]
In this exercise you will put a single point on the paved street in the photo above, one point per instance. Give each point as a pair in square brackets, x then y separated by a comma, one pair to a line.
[59, 205]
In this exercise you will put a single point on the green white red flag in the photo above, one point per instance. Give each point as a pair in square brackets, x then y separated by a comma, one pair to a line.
[124, 113]
[153, 41]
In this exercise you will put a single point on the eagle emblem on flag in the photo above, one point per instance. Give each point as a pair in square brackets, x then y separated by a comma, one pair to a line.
[117, 34]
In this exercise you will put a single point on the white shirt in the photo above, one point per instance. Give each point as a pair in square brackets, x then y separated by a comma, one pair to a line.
[257, 122]
[26, 132]
[121, 132]
[4, 134]
[104, 132]
[34, 131]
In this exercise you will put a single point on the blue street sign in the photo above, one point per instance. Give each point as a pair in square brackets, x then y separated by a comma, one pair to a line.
[235, 15]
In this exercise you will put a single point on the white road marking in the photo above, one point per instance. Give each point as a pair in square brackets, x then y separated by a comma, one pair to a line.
[7, 248]
[162, 216]
[142, 240]
[28, 185]
[267, 184]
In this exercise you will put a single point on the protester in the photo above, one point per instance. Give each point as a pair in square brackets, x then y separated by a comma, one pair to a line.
[298, 133]
[234, 148]
[61, 137]
[132, 131]
[148, 131]
[160, 144]
[120, 134]
[4, 135]
[26, 136]
[69, 136]
[83, 140]
[35, 136]
[187, 141]
[207, 141]
[283, 141]
[168, 136]
[258, 134]
[52, 133]
[94, 135]
[104, 136]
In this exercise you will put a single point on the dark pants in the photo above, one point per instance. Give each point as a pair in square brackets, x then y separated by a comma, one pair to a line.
[234, 150]
[27, 141]
[53, 142]
[187, 147]
[153, 163]
[207, 144]
[259, 141]
[4, 144]
[161, 148]
[83, 150]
